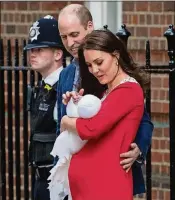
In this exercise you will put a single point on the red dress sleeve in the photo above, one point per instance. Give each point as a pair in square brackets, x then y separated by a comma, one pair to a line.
[121, 101]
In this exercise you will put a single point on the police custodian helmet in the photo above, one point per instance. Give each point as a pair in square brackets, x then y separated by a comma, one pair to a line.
[44, 33]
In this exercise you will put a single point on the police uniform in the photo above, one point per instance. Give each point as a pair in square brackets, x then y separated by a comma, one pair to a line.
[43, 33]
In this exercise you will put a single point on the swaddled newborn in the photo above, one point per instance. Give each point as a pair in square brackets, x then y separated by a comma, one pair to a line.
[67, 144]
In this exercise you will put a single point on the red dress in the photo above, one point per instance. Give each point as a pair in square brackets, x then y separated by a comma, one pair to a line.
[95, 172]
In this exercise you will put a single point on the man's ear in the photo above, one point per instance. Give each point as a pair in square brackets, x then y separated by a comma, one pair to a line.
[90, 26]
[58, 54]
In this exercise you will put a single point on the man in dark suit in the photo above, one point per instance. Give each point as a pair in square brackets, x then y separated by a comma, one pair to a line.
[75, 22]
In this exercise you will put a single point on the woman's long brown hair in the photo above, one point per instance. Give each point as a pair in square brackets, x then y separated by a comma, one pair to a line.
[105, 40]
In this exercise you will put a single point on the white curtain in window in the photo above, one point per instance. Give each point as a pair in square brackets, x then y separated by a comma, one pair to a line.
[106, 13]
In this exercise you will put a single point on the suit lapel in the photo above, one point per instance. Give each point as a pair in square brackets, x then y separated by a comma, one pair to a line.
[70, 79]
[67, 85]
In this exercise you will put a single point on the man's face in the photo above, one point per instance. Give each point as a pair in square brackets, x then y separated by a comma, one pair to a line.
[41, 59]
[72, 32]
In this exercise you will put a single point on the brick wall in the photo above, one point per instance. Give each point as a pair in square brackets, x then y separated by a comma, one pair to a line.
[17, 17]
[146, 21]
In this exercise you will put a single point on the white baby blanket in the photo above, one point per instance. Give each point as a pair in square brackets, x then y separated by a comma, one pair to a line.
[67, 144]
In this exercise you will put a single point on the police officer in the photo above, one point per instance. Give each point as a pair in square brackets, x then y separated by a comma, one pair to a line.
[45, 51]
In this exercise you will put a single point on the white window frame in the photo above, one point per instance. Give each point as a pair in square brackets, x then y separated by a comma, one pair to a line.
[106, 13]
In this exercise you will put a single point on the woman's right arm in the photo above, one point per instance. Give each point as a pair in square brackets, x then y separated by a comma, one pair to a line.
[118, 104]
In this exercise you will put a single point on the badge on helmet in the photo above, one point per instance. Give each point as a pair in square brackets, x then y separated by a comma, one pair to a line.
[34, 31]
[44, 33]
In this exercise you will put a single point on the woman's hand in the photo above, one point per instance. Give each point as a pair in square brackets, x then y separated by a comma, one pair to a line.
[68, 123]
[63, 123]
[75, 95]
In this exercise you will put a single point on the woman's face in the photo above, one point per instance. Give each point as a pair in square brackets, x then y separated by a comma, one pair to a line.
[102, 65]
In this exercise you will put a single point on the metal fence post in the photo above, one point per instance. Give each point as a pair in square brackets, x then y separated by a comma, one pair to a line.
[17, 122]
[2, 127]
[148, 108]
[25, 124]
[123, 34]
[10, 121]
[170, 35]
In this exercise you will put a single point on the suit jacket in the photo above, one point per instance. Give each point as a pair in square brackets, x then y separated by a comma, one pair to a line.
[143, 137]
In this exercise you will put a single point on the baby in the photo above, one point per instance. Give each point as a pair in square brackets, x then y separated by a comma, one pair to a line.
[67, 144]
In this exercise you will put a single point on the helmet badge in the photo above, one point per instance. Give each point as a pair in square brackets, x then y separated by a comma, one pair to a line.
[34, 31]
[48, 17]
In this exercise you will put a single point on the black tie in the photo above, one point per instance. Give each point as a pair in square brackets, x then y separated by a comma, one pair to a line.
[43, 83]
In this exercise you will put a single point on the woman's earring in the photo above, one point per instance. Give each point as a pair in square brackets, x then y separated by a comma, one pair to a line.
[116, 61]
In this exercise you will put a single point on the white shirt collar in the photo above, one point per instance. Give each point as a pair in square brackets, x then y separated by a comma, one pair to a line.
[52, 78]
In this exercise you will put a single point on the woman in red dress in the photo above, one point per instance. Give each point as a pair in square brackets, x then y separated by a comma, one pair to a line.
[95, 172]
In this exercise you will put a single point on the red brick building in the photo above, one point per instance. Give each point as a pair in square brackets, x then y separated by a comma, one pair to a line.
[146, 21]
